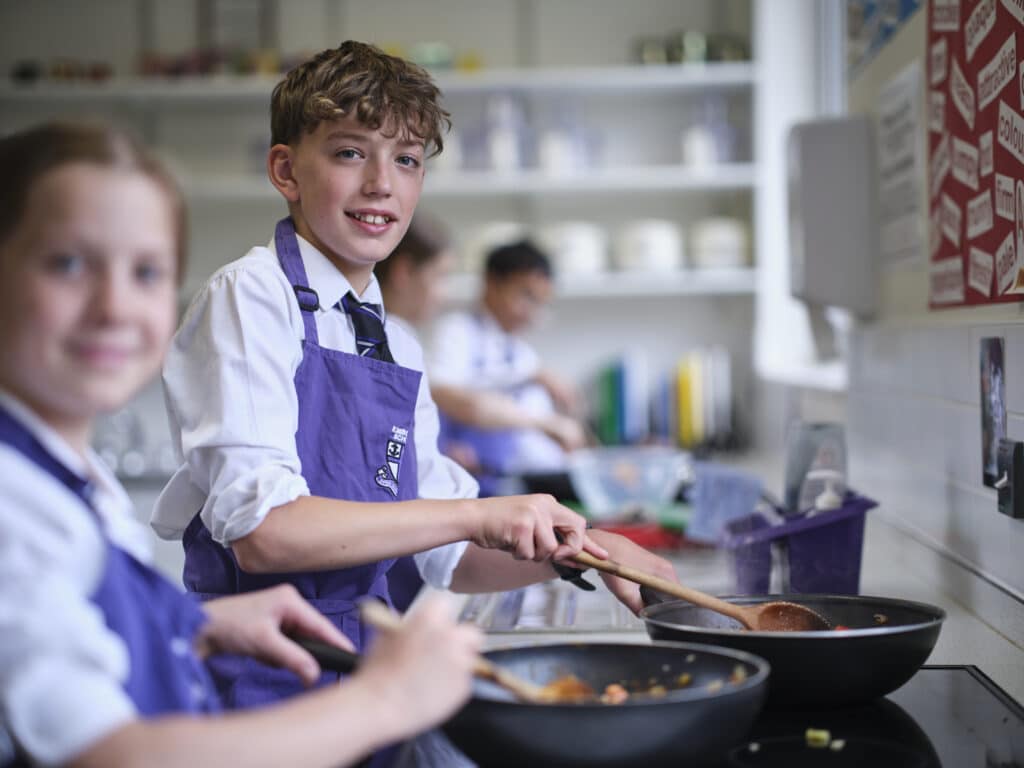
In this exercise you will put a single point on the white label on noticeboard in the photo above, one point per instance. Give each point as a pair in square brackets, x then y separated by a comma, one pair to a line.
[979, 214]
[979, 271]
[940, 61]
[939, 164]
[979, 24]
[962, 94]
[1005, 262]
[998, 73]
[1004, 197]
[1020, 220]
[935, 231]
[946, 14]
[965, 163]
[1016, 9]
[1011, 131]
[946, 281]
[1020, 83]
[985, 153]
[936, 111]
[952, 218]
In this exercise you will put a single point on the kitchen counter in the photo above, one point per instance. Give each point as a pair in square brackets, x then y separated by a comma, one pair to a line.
[558, 612]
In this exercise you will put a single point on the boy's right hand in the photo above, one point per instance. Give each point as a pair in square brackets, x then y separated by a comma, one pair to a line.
[526, 527]
[423, 671]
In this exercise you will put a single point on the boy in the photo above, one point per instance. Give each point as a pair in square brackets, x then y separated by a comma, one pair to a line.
[304, 421]
[488, 381]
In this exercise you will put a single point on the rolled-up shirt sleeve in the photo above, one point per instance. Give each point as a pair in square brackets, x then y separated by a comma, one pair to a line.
[229, 387]
[61, 668]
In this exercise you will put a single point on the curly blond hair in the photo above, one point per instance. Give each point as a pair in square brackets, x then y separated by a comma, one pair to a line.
[382, 92]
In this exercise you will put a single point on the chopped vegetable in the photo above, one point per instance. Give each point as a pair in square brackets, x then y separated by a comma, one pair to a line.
[614, 694]
[715, 685]
[836, 745]
[739, 674]
[817, 739]
[881, 618]
[684, 679]
[840, 627]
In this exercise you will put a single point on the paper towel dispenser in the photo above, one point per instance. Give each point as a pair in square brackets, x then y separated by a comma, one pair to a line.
[833, 222]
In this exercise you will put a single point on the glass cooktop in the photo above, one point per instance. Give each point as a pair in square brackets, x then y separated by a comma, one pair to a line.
[944, 717]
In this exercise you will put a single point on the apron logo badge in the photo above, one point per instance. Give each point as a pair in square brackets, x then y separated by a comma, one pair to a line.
[387, 474]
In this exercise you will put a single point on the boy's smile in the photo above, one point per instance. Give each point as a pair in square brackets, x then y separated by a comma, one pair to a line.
[351, 191]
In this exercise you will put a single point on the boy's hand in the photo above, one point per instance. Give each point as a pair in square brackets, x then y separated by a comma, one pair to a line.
[422, 672]
[255, 624]
[624, 551]
[526, 525]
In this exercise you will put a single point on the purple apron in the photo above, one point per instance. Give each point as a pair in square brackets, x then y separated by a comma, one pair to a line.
[155, 621]
[355, 442]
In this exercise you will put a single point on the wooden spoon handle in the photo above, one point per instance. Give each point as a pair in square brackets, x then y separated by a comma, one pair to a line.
[378, 615]
[664, 585]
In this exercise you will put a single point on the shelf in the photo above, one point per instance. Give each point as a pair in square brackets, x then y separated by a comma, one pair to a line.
[694, 282]
[606, 79]
[651, 178]
[255, 89]
[830, 376]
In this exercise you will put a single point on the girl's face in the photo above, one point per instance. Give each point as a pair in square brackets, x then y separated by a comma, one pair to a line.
[87, 293]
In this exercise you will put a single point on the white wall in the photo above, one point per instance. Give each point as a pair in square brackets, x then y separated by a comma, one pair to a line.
[912, 414]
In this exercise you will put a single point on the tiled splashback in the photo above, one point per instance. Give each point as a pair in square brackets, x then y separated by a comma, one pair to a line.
[914, 434]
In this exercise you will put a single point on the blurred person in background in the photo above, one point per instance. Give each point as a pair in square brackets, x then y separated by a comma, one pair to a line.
[490, 385]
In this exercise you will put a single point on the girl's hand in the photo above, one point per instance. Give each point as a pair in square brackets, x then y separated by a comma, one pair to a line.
[423, 671]
[624, 551]
[257, 624]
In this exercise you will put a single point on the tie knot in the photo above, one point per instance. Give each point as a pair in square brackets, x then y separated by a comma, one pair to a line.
[368, 324]
[352, 306]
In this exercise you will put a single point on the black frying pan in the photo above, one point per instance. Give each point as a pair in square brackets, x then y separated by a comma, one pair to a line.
[689, 725]
[886, 644]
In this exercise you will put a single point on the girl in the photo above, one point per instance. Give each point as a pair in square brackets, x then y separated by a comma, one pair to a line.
[100, 662]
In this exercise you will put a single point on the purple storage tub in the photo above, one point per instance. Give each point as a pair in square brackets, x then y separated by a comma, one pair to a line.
[820, 552]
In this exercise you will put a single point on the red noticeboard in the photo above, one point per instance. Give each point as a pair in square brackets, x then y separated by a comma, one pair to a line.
[975, 109]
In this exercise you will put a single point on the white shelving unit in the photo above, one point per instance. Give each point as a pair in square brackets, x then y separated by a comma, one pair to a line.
[232, 89]
[557, 58]
[691, 282]
[456, 185]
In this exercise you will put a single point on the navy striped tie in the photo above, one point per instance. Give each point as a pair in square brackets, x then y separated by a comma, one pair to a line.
[368, 322]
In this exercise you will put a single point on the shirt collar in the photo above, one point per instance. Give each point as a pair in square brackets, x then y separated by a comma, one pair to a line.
[90, 467]
[328, 281]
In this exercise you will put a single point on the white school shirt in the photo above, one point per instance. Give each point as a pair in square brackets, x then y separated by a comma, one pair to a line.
[233, 411]
[470, 349]
[61, 667]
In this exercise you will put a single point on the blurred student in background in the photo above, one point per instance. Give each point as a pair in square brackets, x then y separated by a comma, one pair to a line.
[490, 384]
[502, 412]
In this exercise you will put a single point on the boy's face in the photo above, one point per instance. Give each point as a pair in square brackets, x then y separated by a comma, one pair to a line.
[87, 293]
[516, 300]
[354, 191]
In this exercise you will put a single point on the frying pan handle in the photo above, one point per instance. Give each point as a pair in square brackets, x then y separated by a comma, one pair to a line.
[330, 657]
[652, 596]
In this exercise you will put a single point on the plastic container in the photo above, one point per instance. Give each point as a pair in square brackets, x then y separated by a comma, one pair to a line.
[617, 481]
[815, 553]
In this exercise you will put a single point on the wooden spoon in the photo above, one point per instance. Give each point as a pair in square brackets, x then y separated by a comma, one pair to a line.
[774, 616]
[378, 615]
